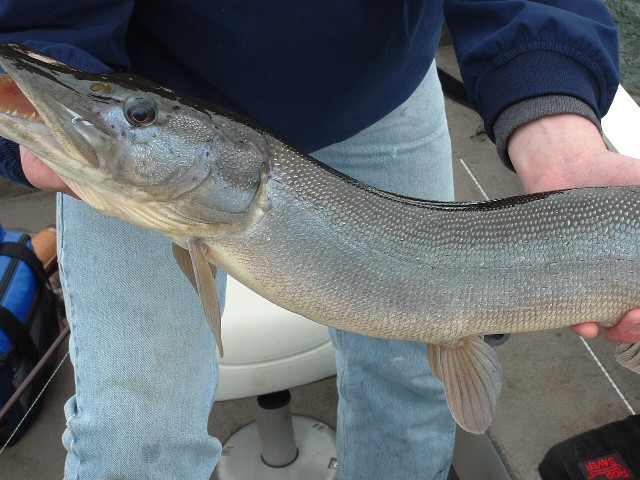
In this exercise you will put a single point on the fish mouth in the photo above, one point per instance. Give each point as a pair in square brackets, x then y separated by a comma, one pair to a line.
[19, 115]
[44, 107]
[13, 102]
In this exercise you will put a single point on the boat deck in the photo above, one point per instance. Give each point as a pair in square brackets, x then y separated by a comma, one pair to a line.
[556, 385]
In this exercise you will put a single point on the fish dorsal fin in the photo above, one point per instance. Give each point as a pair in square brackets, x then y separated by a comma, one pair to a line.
[472, 378]
[201, 274]
[628, 355]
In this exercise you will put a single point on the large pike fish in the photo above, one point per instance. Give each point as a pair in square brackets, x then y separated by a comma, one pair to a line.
[326, 246]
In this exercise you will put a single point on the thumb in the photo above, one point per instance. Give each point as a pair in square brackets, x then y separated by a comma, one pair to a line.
[40, 175]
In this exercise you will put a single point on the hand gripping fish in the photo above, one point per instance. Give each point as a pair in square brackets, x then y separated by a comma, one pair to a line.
[324, 245]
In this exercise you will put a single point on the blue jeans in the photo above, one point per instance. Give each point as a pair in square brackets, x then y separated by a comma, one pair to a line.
[143, 355]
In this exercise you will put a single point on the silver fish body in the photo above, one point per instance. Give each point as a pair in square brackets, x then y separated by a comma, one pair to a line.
[324, 245]
[362, 260]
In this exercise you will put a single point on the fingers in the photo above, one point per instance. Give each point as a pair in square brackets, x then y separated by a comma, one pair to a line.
[40, 175]
[626, 331]
[586, 330]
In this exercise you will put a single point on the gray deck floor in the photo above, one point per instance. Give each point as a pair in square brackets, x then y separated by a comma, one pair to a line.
[556, 385]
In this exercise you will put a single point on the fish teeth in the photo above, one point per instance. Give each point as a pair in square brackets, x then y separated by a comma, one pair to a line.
[16, 113]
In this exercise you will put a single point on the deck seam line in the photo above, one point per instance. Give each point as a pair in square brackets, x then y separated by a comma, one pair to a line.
[584, 343]
[606, 374]
[475, 180]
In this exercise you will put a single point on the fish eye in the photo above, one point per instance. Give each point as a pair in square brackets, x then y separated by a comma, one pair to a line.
[140, 111]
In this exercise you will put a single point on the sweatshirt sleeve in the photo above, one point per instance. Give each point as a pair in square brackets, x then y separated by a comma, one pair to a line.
[513, 51]
[86, 34]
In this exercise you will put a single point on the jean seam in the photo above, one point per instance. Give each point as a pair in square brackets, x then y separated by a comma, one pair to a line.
[70, 315]
[342, 385]
[444, 473]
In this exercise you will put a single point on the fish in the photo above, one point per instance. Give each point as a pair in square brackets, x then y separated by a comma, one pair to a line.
[230, 195]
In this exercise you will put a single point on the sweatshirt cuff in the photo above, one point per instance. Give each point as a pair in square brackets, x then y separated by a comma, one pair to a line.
[10, 167]
[532, 109]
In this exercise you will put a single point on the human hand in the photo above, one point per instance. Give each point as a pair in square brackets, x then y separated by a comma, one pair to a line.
[567, 151]
[40, 175]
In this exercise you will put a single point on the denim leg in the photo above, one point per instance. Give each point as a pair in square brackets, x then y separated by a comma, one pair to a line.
[393, 421]
[143, 354]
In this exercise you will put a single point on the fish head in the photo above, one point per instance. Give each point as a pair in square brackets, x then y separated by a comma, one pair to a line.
[128, 146]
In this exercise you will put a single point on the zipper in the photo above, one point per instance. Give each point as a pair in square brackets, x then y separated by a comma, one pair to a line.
[11, 269]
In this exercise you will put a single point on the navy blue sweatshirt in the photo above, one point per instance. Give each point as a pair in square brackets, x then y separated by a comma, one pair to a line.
[319, 71]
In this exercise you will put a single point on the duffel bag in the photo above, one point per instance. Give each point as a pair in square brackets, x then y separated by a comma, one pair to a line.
[28, 326]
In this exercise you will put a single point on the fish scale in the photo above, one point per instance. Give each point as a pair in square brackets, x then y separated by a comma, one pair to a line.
[337, 251]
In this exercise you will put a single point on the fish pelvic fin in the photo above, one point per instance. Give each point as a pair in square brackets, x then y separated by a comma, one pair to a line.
[202, 276]
[472, 378]
[628, 355]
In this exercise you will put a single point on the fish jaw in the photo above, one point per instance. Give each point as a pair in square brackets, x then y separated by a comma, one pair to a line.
[32, 114]
[27, 129]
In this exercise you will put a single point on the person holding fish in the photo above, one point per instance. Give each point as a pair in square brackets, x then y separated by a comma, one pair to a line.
[352, 83]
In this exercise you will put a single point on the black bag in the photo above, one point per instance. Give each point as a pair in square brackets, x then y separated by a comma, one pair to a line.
[609, 452]
[28, 326]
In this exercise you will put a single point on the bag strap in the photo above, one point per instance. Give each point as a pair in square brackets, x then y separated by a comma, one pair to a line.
[454, 88]
[18, 335]
[12, 327]
[24, 253]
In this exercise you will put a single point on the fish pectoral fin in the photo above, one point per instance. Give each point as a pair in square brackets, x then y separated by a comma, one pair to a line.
[628, 355]
[203, 276]
[472, 378]
[183, 259]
